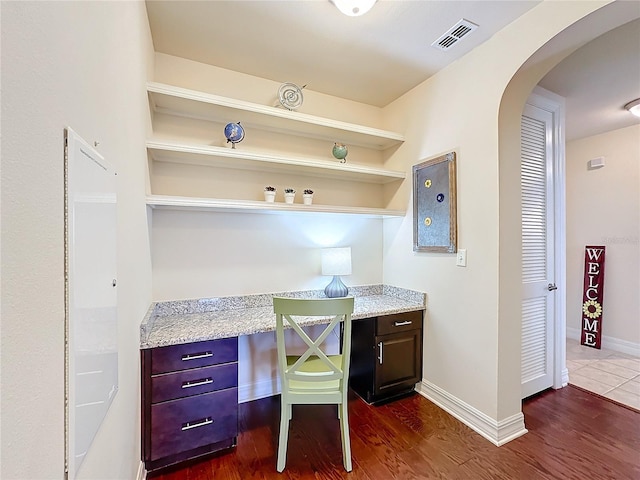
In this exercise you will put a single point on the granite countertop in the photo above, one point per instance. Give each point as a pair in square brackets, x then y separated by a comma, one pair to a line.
[186, 321]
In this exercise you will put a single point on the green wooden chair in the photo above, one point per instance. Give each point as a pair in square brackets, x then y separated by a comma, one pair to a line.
[313, 377]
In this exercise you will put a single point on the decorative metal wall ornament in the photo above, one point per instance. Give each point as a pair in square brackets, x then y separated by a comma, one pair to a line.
[234, 133]
[290, 95]
[434, 205]
[340, 152]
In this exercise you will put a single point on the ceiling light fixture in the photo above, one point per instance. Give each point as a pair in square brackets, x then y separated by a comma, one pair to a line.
[353, 8]
[634, 107]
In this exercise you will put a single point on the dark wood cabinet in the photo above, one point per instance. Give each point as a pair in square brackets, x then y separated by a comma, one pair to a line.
[386, 356]
[189, 401]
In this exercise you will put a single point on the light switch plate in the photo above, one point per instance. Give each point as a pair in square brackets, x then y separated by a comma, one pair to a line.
[461, 257]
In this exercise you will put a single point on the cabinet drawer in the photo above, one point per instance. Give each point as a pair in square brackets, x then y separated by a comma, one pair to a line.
[194, 355]
[186, 383]
[181, 425]
[399, 322]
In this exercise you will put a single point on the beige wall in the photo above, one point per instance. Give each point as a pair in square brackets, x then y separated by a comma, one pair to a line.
[603, 208]
[474, 312]
[472, 339]
[227, 83]
[83, 65]
[198, 254]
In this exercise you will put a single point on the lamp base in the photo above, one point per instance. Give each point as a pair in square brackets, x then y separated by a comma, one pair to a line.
[336, 288]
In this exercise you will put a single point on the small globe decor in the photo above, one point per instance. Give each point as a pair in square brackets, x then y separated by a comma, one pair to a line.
[234, 133]
[340, 151]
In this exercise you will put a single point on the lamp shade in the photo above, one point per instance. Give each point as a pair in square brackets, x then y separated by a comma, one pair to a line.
[336, 261]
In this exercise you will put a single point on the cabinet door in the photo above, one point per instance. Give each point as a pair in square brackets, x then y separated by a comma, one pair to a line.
[398, 361]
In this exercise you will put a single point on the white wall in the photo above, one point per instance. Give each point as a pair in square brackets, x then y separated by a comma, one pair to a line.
[603, 208]
[204, 254]
[83, 65]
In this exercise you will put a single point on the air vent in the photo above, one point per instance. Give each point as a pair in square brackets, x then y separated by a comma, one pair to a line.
[454, 34]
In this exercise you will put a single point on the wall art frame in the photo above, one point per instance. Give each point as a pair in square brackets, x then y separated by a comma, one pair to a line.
[435, 226]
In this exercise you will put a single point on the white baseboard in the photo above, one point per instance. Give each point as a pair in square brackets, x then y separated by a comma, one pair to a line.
[142, 473]
[610, 343]
[497, 432]
[257, 390]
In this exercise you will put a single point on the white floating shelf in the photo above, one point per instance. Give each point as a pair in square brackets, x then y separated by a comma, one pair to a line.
[245, 206]
[241, 159]
[191, 103]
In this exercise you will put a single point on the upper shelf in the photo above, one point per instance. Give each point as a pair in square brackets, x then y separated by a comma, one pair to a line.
[190, 103]
[243, 159]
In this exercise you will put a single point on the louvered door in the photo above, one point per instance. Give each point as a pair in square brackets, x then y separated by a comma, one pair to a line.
[537, 250]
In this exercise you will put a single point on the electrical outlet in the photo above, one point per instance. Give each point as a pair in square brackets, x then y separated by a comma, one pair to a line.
[461, 257]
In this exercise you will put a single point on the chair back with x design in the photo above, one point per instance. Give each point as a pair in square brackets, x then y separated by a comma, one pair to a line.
[314, 377]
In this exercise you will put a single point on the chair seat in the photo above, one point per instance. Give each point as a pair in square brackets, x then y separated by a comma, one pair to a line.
[314, 366]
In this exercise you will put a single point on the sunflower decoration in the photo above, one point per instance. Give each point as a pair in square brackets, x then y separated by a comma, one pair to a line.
[592, 309]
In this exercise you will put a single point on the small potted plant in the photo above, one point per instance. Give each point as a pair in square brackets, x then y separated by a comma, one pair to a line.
[269, 194]
[307, 196]
[289, 195]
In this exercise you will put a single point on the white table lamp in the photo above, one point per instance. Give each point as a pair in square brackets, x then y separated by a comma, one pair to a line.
[336, 262]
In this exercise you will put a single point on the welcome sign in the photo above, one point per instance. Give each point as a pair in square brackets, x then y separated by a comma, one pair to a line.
[592, 296]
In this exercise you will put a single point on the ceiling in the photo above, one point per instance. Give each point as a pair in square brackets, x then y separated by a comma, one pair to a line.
[597, 80]
[381, 55]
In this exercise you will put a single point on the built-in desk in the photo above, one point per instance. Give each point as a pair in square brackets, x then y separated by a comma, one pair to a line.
[186, 321]
[189, 359]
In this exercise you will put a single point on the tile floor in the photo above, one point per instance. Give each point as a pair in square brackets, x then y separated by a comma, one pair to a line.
[611, 374]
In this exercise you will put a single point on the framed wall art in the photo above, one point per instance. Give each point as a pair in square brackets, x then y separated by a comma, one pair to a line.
[434, 205]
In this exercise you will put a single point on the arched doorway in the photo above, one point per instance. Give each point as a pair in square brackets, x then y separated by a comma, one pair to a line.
[592, 25]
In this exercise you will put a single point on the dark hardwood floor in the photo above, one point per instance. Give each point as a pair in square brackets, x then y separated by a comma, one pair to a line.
[572, 435]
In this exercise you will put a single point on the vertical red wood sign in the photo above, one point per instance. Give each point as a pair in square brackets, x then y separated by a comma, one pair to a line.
[592, 295]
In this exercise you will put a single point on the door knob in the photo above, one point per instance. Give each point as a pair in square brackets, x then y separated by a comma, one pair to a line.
[551, 287]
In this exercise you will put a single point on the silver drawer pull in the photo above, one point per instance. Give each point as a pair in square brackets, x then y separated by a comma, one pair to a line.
[196, 356]
[197, 383]
[197, 423]
[400, 324]
[380, 355]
